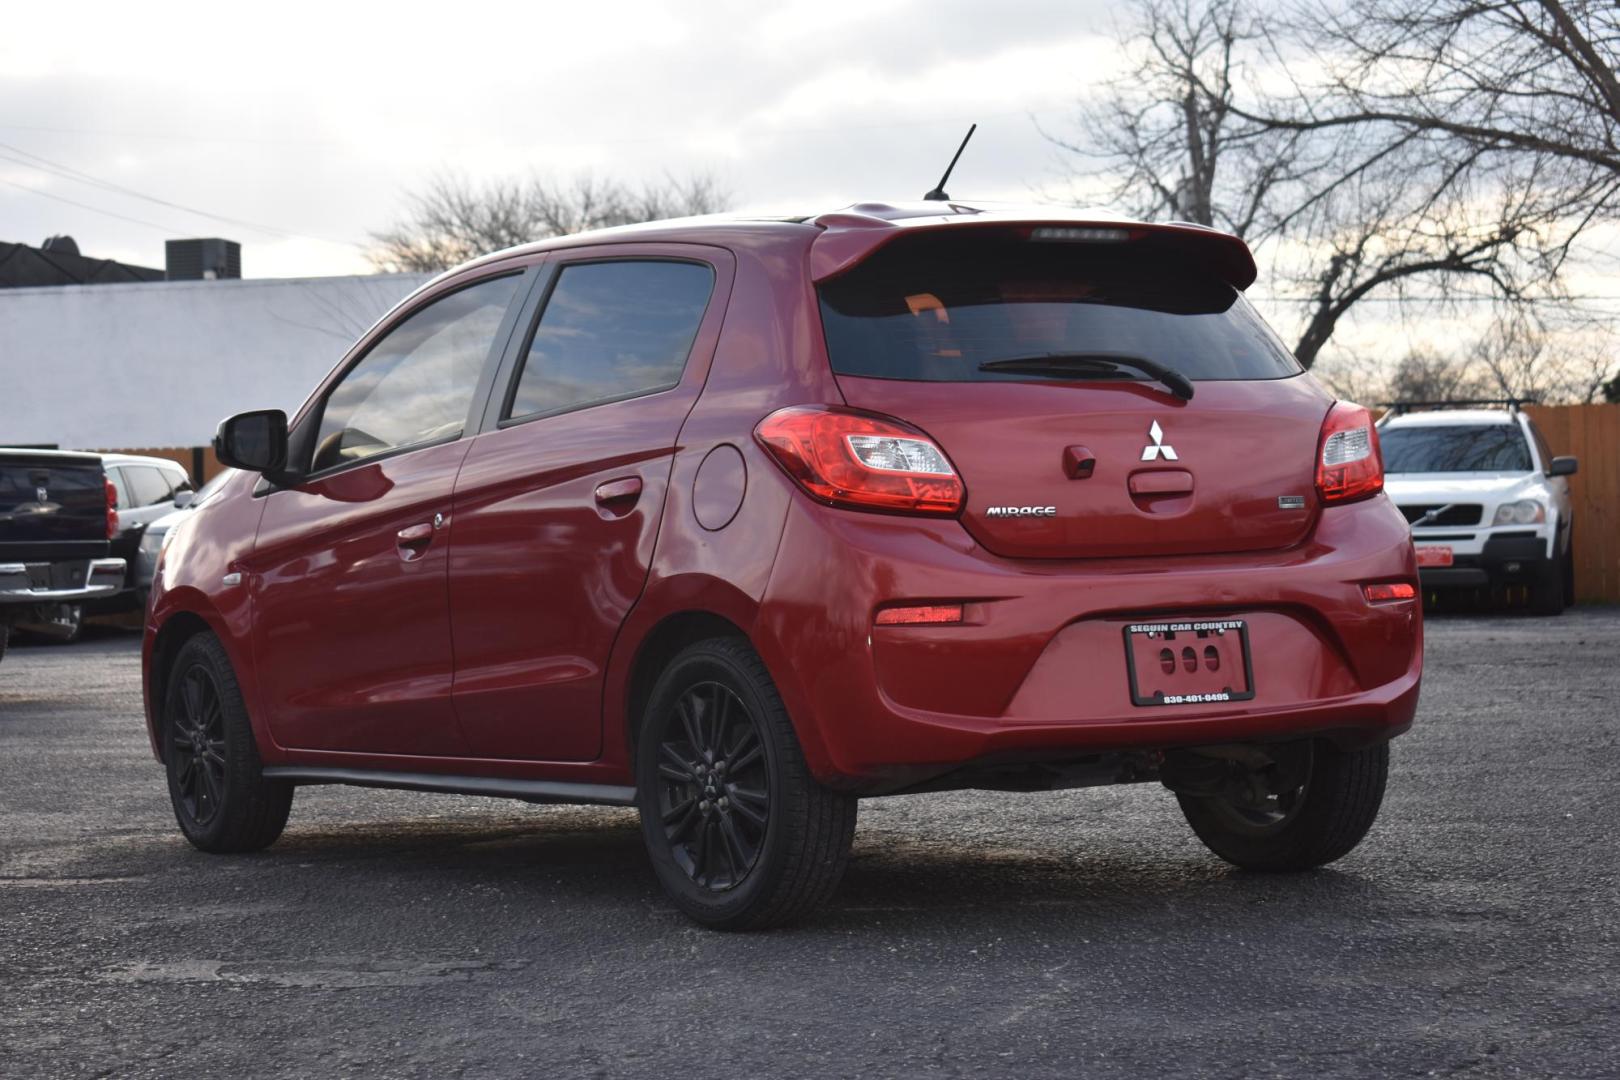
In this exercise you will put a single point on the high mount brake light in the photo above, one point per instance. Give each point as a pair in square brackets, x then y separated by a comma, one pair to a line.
[862, 460]
[112, 509]
[1349, 463]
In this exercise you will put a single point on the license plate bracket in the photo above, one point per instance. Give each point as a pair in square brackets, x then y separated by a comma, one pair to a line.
[1189, 661]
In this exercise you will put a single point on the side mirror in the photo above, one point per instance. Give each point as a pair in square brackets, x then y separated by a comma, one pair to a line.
[255, 442]
[1563, 466]
[183, 499]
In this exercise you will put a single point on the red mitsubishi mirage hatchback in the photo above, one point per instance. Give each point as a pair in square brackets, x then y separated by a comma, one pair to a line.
[740, 521]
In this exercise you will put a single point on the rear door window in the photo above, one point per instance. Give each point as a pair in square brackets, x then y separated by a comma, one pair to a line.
[1455, 448]
[611, 331]
[936, 308]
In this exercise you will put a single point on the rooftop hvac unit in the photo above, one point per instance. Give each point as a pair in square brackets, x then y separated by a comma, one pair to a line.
[202, 260]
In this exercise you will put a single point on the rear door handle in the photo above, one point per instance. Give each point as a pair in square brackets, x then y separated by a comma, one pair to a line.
[618, 493]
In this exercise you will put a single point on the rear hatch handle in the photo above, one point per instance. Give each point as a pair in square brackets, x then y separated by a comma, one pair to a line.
[1093, 365]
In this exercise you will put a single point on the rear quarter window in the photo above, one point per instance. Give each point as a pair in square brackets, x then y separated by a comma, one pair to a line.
[935, 308]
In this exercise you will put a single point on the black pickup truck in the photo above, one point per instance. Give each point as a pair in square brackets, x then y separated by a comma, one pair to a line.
[57, 512]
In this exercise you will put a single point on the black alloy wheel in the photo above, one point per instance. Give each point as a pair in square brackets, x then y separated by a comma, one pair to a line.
[715, 790]
[1261, 808]
[740, 834]
[197, 742]
[221, 799]
[1288, 826]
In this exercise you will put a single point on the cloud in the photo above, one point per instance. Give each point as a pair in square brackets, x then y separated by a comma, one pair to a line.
[313, 120]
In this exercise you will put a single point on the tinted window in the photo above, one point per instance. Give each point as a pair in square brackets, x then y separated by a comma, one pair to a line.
[416, 384]
[935, 308]
[1455, 448]
[147, 485]
[610, 331]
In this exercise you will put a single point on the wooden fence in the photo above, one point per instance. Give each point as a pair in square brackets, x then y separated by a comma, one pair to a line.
[1591, 433]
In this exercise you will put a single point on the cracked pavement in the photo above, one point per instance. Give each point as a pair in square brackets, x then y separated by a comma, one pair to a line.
[1475, 932]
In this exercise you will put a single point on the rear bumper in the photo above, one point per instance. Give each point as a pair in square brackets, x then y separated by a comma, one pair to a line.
[68, 581]
[1037, 669]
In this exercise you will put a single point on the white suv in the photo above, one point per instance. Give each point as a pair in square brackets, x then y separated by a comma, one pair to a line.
[1487, 501]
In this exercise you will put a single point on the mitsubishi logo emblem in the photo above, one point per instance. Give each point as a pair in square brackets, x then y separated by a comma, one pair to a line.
[1158, 447]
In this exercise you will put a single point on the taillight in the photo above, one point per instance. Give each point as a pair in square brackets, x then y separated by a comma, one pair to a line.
[1349, 464]
[862, 460]
[112, 510]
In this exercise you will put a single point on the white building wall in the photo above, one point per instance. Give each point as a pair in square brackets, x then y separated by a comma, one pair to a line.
[161, 363]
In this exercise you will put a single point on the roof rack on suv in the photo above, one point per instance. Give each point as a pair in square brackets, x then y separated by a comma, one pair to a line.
[1512, 404]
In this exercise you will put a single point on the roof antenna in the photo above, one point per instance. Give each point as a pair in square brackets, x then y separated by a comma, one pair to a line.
[938, 194]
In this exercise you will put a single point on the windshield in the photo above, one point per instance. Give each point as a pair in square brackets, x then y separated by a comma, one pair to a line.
[937, 307]
[1455, 448]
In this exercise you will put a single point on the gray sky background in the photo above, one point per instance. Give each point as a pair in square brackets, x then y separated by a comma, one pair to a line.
[311, 121]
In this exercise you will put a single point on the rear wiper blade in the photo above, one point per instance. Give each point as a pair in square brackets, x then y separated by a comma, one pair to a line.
[1104, 364]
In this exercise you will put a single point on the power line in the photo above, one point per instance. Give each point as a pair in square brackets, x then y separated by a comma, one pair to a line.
[610, 141]
[87, 206]
[67, 172]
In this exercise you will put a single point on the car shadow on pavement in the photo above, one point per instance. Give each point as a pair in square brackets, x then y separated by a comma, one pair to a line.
[591, 859]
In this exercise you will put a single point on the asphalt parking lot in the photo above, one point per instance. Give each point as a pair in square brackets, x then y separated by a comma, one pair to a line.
[1476, 932]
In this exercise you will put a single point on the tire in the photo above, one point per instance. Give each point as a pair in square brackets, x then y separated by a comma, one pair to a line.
[1324, 820]
[1547, 594]
[65, 629]
[222, 801]
[734, 861]
[1569, 574]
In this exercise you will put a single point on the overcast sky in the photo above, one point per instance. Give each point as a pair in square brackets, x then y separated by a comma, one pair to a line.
[306, 124]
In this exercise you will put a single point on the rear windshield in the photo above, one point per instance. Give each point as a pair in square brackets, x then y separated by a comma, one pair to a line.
[72, 486]
[1455, 448]
[935, 308]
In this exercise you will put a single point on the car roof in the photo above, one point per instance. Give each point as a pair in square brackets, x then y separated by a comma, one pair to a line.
[1452, 418]
[26, 452]
[137, 459]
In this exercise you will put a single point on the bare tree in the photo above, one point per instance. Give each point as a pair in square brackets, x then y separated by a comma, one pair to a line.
[1424, 375]
[1166, 136]
[1193, 131]
[1523, 353]
[1531, 81]
[453, 219]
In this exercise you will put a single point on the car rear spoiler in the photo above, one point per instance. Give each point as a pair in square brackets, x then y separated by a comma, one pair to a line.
[850, 237]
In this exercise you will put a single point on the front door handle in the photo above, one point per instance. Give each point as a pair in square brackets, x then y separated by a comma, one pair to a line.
[619, 493]
[413, 540]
